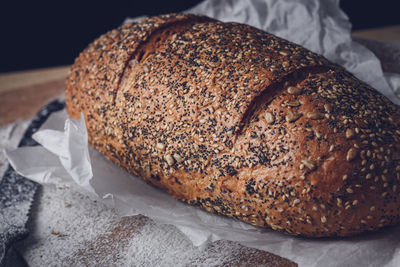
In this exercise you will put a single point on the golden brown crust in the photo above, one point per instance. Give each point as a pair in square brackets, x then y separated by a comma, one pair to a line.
[242, 123]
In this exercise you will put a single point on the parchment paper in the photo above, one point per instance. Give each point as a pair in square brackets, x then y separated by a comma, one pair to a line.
[64, 157]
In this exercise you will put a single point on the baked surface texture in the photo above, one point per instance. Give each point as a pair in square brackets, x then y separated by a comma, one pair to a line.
[241, 123]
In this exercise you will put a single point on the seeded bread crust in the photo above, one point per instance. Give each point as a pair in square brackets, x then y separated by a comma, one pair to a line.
[241, 123]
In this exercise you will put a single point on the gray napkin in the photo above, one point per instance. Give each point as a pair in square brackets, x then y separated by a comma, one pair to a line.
[17, 192]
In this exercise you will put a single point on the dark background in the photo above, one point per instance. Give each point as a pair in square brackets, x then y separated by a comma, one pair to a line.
[37, 34]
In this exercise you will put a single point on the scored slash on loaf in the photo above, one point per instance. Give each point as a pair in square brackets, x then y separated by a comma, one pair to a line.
[241, 123]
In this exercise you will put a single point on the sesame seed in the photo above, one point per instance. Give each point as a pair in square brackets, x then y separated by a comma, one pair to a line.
[372, 208]
[292, 117]
[315, 115]
[160, 146]
[294, 90]
[133, 62]
[372, 167]
[169, 159]
[349, 190]
[323, 219]
[328, 108]
[349, 133]
[351, 154]
[269, 118]
[283, 53]
[309, 164]
[292, 103]
[178, 158]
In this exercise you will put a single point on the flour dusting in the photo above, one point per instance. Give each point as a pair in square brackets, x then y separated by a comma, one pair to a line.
[173, 249]
[70, 229]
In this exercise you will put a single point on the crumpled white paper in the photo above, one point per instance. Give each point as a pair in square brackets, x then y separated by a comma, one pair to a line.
[318, 25]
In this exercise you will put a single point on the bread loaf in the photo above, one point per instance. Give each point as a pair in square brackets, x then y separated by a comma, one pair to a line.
[241, 123]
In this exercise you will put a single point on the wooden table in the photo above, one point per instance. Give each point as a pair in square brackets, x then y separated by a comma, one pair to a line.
[23, 93]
